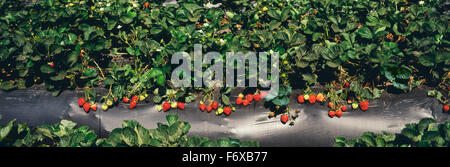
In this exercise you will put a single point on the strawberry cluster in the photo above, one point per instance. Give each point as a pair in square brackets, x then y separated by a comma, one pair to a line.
[86, 106]
[249, 98]
[311, 98]
[214, 105]
[166, 106]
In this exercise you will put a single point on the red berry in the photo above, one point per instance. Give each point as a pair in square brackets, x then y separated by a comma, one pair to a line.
[249, 97]
[312, 99]
[445, 108]
[146, 5]
[202, 107]
[51, 64]
[284, 118]
[339, 113]
[125, 99]
[344, 108]
[271, 114]
[239, 100]
[86, 107]
[134, 98]
[180, 105]
[81, 101]
[257, 97]
[346, 84]
[245, 102]
[364, 105]
[300, 99]
[166, 106]
[94, 107]
[331, 105]
[331, 113]
[227, 110]
[132, 104]
[215, 105]
[209, 108]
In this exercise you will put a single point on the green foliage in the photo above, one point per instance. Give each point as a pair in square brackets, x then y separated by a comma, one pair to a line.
[132, 134]
[426, 133]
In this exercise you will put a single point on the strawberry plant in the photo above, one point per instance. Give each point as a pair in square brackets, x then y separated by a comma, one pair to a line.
[132, 134]
[426, 133]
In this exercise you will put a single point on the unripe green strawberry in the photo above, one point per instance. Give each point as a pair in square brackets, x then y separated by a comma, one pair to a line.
[104, 107]
[173, 105]
[159, 107]
[109, 102]
[355, 106]
[306, 97]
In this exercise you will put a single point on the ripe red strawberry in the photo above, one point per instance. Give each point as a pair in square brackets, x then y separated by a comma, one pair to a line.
[239, 100]
[146, 5]
[86, 107]
[134, 98]
[331, 105]
[339, 113]
[445, 107]
[215, 105]
[209, 108]
[180, 105]
[94, 107]
[257, 97]
[263, 94]
[245, 102]
[249, 97]
[166, 106]
[125, 99]
[133, 104]
[300, 99]
[227, 110]
[284, 118]
[364, 105]
[312, 99]
[346, 84]
[202, 107]
[81, 101]
[331, 113]
[344, 108]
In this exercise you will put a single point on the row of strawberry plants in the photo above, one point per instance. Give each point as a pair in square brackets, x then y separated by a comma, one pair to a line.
[427, 133]
[126, 46]
[131, 134]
